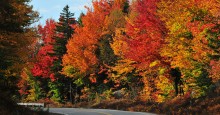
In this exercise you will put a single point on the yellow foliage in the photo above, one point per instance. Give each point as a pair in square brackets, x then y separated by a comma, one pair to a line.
[181, 49]
[164, 86]
[154, 63]
[31, 96]
[118, 45]
[122, 68]
[70, 71]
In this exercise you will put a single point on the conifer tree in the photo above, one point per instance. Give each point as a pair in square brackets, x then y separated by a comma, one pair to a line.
[16, 37]
[64, 30]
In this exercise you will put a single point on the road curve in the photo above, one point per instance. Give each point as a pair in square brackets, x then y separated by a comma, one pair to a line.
[79, 111]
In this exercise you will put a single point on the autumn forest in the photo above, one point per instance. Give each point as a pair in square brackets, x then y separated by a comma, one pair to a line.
[150, 50]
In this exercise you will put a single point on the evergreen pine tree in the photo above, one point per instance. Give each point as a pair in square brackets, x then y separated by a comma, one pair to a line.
[64, 30]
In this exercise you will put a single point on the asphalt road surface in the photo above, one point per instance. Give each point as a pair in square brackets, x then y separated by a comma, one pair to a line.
[78, 111]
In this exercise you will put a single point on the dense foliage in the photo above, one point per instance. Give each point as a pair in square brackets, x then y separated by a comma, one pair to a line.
[16, 39]
[145, 49]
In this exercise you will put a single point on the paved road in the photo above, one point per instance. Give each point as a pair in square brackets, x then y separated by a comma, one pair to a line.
[78, 111]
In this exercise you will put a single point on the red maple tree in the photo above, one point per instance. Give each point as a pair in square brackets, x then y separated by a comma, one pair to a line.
[145, 34]
[44, 59]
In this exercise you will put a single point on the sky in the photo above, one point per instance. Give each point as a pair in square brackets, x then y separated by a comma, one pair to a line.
[53, 8]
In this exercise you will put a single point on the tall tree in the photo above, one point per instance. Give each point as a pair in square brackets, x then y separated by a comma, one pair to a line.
[91, 43]
[81, 48]
[144, 34]
[15, 40]
[88, 51]
[64, 30]
[44, 60]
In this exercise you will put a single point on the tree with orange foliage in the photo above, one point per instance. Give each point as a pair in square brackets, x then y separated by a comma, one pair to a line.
[81, 49]
[89, 51]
